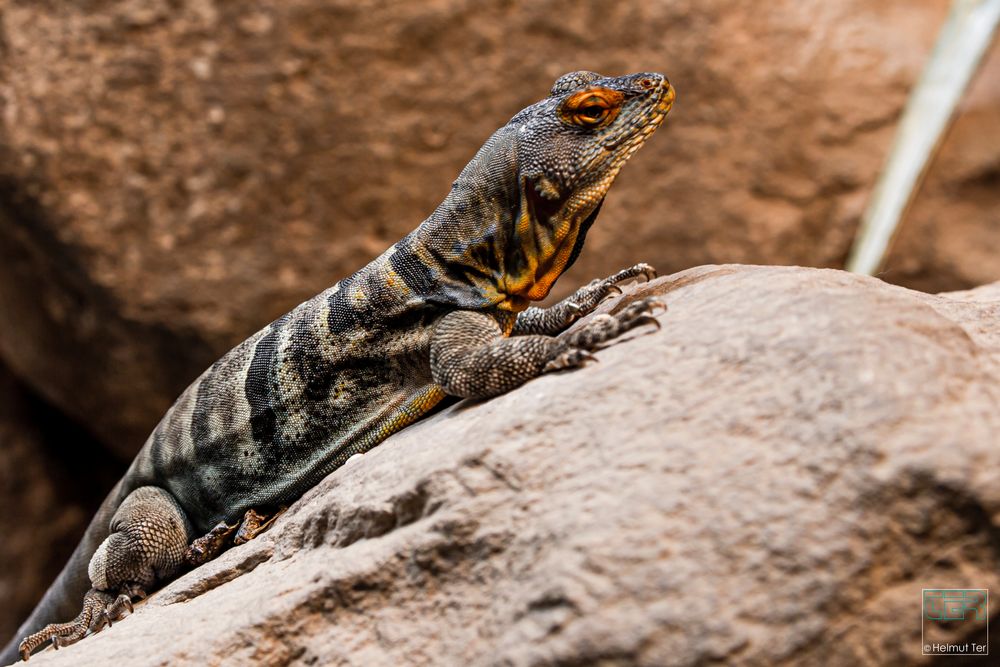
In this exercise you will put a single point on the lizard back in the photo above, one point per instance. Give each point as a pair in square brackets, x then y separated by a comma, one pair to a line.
[272, 417]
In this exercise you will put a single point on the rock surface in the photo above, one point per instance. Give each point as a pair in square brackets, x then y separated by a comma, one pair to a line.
[770, 479]
[173, 175]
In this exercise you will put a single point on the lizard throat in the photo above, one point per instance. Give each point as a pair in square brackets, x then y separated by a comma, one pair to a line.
[545, 235]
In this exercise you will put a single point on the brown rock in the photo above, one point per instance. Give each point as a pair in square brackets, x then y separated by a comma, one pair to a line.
[770, 479]
[175, 175]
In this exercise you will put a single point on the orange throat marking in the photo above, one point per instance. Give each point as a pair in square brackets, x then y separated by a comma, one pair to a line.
[552, 266]
[546, 259]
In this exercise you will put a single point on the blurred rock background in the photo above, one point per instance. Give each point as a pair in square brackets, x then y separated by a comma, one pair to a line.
[174, 174]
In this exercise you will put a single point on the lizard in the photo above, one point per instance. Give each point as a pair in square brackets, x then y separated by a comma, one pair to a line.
[445, 311]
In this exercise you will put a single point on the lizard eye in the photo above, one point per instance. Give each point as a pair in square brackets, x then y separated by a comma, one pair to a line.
[591, 108]
[593, 112]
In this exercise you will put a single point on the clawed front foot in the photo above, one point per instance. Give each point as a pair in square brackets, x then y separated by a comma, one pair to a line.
[555, 319]
[210, 545]
[472, 358]
[607, 327]
[641, 269]
[601, 329]
[255, 523]
[588, 296]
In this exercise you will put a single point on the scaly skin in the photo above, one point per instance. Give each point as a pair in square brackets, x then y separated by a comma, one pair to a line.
[440, 312]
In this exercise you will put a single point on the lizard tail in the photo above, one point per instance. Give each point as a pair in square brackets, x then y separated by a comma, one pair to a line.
[64, 597]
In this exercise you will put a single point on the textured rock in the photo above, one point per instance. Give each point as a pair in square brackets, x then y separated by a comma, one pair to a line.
[175, 174]
[770, 479]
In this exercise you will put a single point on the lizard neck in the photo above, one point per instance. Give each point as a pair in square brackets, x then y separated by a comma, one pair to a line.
[500, 239]
[547, 234]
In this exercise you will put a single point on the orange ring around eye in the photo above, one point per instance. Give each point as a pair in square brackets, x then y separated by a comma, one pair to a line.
[579, 107]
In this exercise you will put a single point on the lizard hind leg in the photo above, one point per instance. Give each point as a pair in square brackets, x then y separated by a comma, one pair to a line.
[148, 536]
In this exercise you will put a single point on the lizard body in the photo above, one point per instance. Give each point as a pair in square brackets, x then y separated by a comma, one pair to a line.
[444, 311]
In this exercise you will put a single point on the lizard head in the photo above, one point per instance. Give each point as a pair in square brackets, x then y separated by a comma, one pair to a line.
[517, 215]
[577, 139]
[569, 148]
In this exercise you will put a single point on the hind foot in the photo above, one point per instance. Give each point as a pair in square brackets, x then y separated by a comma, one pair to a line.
[148, 534]
[119, 608]
[95, 603]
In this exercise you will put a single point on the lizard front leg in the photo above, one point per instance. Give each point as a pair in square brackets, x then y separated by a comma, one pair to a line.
[149, 534]
[255, 523]
[209, 545]
[471, 358]
[558, 317]
[215, 541]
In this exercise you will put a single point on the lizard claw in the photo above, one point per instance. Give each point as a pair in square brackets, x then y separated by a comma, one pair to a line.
[641, 312]
[59, 642]
[210, 545]
[641, 307]
[641, 270]
[571, 358]
[590, 295]
[574, 312]
[101, 619]
[606, 327]
[647, 319]
[613, 289]
[117, 609]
